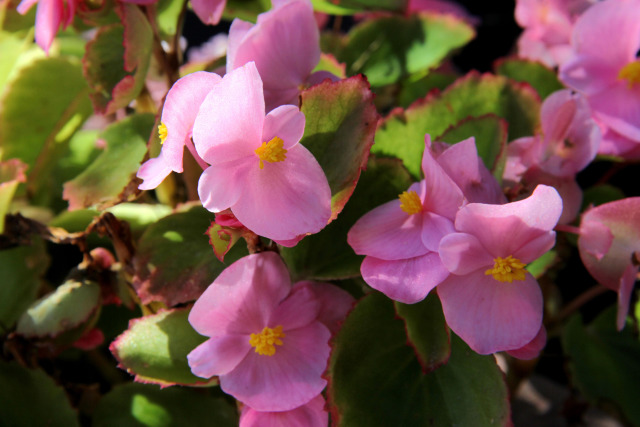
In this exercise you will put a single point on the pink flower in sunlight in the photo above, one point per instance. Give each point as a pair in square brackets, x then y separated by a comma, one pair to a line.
[273, 185]
[489, 299]
[50, 16]
[209, 11]
[311, 414]
[284, 44]
[604, 66]
[609, 245]
[178, 114]
[400, 238]
[547, 28]
[268, 343]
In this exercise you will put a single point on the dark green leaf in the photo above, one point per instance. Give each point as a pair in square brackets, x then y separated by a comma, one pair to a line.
[543, 79]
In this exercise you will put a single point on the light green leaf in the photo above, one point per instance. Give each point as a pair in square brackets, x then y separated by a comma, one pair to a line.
[542, 78]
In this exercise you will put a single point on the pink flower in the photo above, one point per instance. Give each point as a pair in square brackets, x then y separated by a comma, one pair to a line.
[609, 245]
[443, 7]
[267, 342]
[311, 414]
[178, 114]
[604, 65]
[50, 16]
[532, 349]
[489, 299]
[284, 44]
[273, 185]
[400, 238]
[209, 11]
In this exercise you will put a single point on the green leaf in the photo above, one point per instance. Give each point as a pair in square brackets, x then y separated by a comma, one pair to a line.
[490, 133]
[542, 78]
[30, 398]
[600, 194]
[340, 124]
[174, 262]
[134, 405]
[247, 10]
[168, 16]
[117, 59]
[414, 87]
[21, 269]
[350, 7]
[540, 266]
[387, 49]
[376, 379]
[604, 362]
[71, 307]
[382, 181]
[401, 134]
[56, 86]
[427, 331]
[155, 349]
[106, 180]
[11, 174]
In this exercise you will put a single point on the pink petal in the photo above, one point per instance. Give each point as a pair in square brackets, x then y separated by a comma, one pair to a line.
[311, 414]
[218, 356]
[237, 32]
[209, 11]
[503, 229]
[48, 19]
[463, 253]
[220, 186]
[25, 5]
[619, 108]
[229, 123]
[434, 228]
[243, 297]
[406, 280]
[627, 283]
[153, 172]
[442, 194]
[286, 380]
[490, 315]
[388, 232]
[595, 239]
[298, 310]
[285, 47]
[180, 109]
[285, 199]
[285, 122]
[533, 349]
[335, 303]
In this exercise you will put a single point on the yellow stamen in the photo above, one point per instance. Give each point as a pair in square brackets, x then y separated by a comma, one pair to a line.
[162, 132]
[631, 73]
[507, 269]
[271, 151]
[266, 341]
[410, 202]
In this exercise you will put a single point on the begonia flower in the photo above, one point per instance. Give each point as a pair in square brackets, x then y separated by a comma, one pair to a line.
[605, 65]
[267, 344]
[284, 44]
[273, 185]
[489, 299]
[400, 238]
[532, 349]
[178, 114]
[311, 414]
[609, 245]
[50, 16]
[209, 11]
[547, 28]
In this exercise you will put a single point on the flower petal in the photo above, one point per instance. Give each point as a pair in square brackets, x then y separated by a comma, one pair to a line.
[285, 122]
[286, 380]
[299, 309]
[335, 303]
[533, 349]
[153, 172]
[220, 186]
[209, 11]
[218, 356]
[406, 280]
[489, 315]
[243, 297]
[462, 253]
[627, 283]
[285, 199]
[48, 19]
[311, 414]
[443, 196]
[229, 123]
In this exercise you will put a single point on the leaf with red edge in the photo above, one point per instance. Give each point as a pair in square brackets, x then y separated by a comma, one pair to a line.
[155, 349]
[401, 133]
[222, 239]
[117, 59]
[174, 262]
[340, 124]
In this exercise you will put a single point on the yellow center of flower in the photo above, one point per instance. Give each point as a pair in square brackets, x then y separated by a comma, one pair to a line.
[266, 341]
[162, 132]
[507, 269]
[271, 151]
[410, 202]
[631, 73]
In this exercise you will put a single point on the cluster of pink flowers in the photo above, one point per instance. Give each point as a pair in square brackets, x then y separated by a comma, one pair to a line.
[454, 232]
[269, 340]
